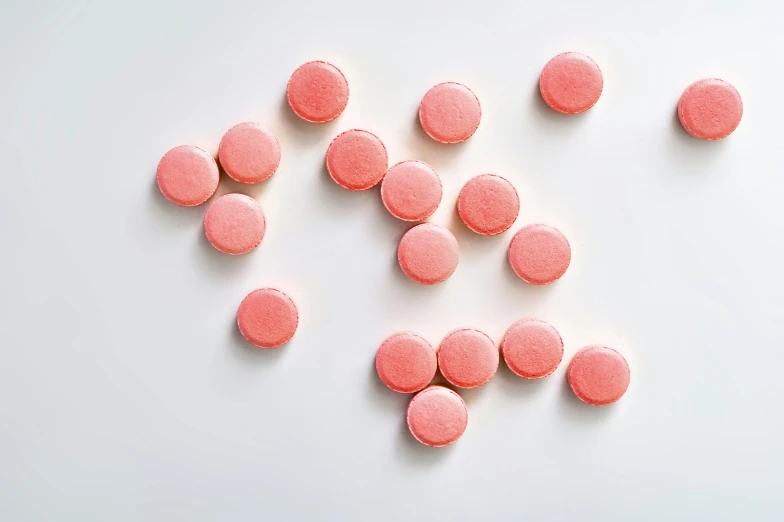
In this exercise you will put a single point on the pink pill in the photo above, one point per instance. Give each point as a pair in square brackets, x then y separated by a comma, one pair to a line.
[187, 176]
[468, 358]
[406, 363]
[428, 254]
[411, 190]
[249, 153]
[710, 109]
[532, 348]
[357, 159]
[488, 204]
[267, 318]
[450, 112]
[598, 375]
[234, 224]
[571, 83]
[539, 254]
[437, 416]
[317, 92]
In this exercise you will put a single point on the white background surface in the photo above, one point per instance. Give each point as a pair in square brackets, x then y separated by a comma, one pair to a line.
[126, 392]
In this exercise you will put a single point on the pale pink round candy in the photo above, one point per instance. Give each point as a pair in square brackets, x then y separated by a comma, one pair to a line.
[488, 204]
[234, 224]
[468, 358]
[317, 92]
[539, 254]
[710, 109]
[187, 175]
[598, 375]
[450, 112]
[428, 254]
[571, 83]
[532, 348]
[357, 159]
[405, 362]
[249, 153]
[437, 416]
[411, 190]
[267, 318]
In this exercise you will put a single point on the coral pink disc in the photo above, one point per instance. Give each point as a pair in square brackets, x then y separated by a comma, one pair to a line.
[532, 348]
[710, 109]
[428, 254]
[437, 416]
[405, 362]
[357, 159]
[267, 318]
[488, 204]
[539, 254]
[249, 153]
[187, 176]
[317, 92]
[468, 358]
[234, 224]
[411, 190]
[450, 112]
[598, 375]
[571, 83]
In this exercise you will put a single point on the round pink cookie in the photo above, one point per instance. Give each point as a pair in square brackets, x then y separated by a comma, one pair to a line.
[267, 318]
[571, 83]
[357, 159]
[532, 348]
[249, 153]
[468, 358]
[428, 254]
[488, 204]
[450, 112]
[411, 190]
[437, 416]
[598, 375]
[234, 224]
[187, 176]
[317, 92]
[405, 362]
[539, 254]
[710, 109]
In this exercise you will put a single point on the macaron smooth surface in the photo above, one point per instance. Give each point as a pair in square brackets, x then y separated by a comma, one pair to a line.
[532, 348]
[357, 159]
[468, 358]
[187, 175]
[488, 204]
[598, 375]
[267, 318]
[710, 109]
[411, 190]
[234, 224]
[539, 254]
[450, 112]
[317, 92]
[428, 254]
[406, 362]
[571, 83]
[437, 416]
[249, 153]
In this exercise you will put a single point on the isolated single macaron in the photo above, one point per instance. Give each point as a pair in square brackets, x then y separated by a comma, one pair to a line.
[532, 348]
[406, 362]
[598, 375]
[411, 190]
[317, 92]
[488, 204]
[267, 318]
[357, 159]
[468, 358]
[234, 224]
[249, 153]
[187, 175]
[437, 416]
[710, 109]
[539, 254]
[428, 254]
[450, 112]
[571, 83]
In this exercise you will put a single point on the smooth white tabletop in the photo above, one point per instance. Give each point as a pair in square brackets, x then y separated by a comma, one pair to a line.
[126, 392]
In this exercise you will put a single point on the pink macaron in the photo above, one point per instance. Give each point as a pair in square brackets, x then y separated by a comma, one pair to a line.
[437, 416]
[488, 204]
[317, 92]
[411, 190]
[450, 112]
[532, 348]
[539, 254]
[468, 358]
[428, 254]
[249, 153]
[406, 362]
[357, 159]
[710, 109]
[598, 375]
[571, 83]
[187, 176]
[267, 318]
[234, 224]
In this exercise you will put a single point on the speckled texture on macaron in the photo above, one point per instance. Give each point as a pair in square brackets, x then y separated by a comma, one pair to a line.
[532, 348]
[235, 224]
[357, 159]
[710, 109]
[450, 112]
[249, 153]
[571, 83]
[317, 92]
[488, 204]
[428, 254]
[468, 358]
[267, 318]
[187, 175]
[437, 416]
[406, 362]
[539, 254]
[411, 190]
[598, 375]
